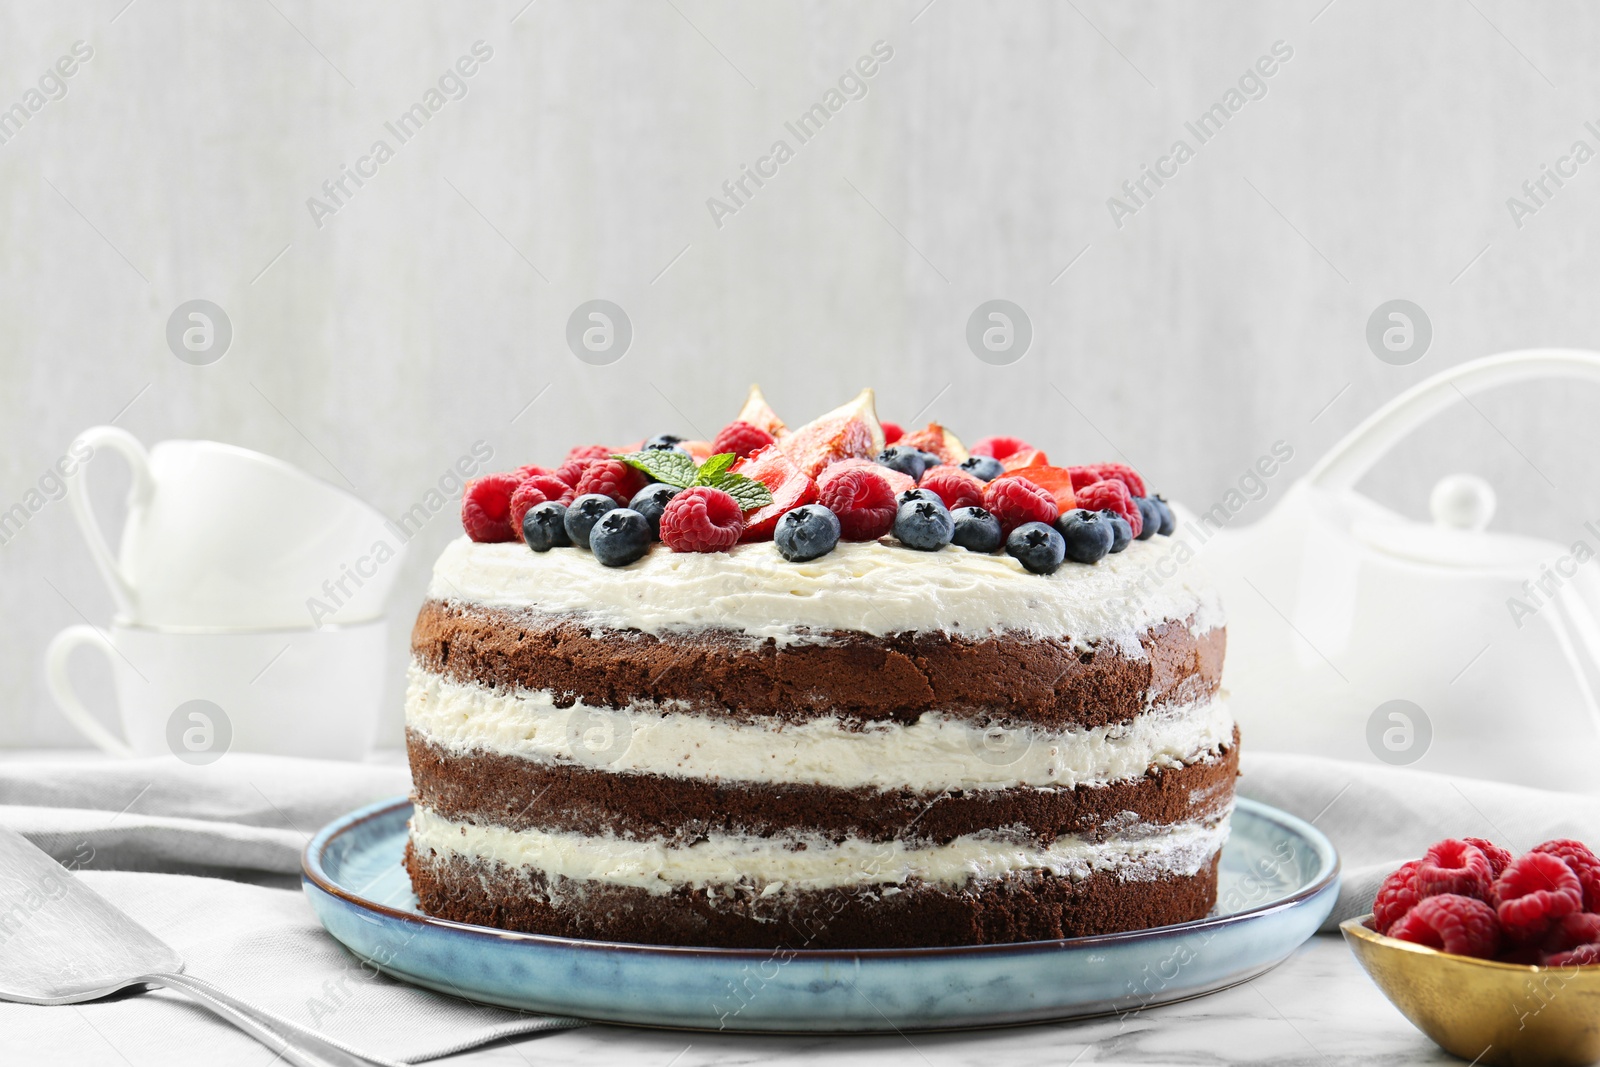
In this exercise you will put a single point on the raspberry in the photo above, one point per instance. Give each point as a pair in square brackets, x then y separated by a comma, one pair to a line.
[486, 508]
[536, 489]
[1570, 931]
[571, 470]
[742, 439]
[892, 432]
[1584, 864]
[590, 452]
[1396, 896]
[1454, 867]
[999, 447]
[1015, 501]
[612, 478]
[1537, 889]
[1109, 472]
[1582, 956]
[528, 470]
[1451, 923]
[863, 502]
[1097, 496]
[954, 486]
[701, 520]
[1499, 858]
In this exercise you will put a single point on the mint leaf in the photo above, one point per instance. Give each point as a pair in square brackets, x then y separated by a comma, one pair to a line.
[715, 467]
[664, 465]
[749, 493]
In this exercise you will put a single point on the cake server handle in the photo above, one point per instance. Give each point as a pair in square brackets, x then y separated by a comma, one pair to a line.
[296, 1044]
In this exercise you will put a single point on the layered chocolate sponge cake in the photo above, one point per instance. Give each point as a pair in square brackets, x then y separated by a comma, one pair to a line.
[935, 702]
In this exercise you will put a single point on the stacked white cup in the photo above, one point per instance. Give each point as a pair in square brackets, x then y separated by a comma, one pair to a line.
[250, 606]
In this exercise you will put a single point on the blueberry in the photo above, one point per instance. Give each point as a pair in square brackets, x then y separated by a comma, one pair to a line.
[1169, 521]
[924, 525]
[651, 501]
[544, 527]
[918, 494]
[1086, 535]
[908, 461]
[621, 536]
[1121, 532]
[1037, 547]
[976, 530]
[986, 467]
[583, 513]
[663, 442]
[1149, 515]
[930, 460]
[806, 533]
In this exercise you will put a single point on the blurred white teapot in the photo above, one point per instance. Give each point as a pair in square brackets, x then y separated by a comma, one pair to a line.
[1357, 633]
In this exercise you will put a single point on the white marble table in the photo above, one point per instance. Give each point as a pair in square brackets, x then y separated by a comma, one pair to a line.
[1317, 1008]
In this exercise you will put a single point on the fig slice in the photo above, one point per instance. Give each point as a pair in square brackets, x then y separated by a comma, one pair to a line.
[938, 440]
[757, 412]
[850, 431]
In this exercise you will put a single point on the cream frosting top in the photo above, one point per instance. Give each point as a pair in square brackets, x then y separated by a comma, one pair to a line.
[877, 588]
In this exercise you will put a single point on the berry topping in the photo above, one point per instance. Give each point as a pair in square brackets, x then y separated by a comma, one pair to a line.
[528, 470]
[486, 508]
[863, 501]
[572, 469]
[1110, 472]
[1149, 516]
[1000, 447]
[701, 520]
[650, 501]
[1036, 546]
[1582, 956]
[807, 532]
[1122, 533]
[1396, 896]
[583, 513]
[1453, 866]
[536, 489]
[1499, 858]
[897, 481]
[790, 489]
[923, 524]
[612, 478]
[976, 530]
[589, 452]
[661, 442]
[544, 527]
[1015, 501]
[1086, 535]
[938, 442]
[1536, 889]
[1169, 521]
[741, 439]
[1113, 495]
[985, 467]
[1462, 926]
[1056, 481]
[1583, 864]
[918, 493]
[621, 536]
[954, 486]
[908, 461]
[891, 432]
[850, 431]
[759, 414]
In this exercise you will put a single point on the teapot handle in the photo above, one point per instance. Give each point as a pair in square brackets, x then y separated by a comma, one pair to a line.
[1362, 447]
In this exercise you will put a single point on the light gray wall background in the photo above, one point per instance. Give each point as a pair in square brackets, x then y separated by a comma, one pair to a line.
[1228, 313]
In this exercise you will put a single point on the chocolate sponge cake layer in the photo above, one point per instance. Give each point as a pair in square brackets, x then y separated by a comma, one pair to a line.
[520, 794]
[1021, 906]
[1009, 678]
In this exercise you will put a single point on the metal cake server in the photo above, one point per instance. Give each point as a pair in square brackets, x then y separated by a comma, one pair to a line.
[62, 943]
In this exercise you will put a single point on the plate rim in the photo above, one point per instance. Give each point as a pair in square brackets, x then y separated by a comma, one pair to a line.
[312, 874]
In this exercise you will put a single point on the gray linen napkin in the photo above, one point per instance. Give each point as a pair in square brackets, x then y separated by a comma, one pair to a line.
[1379, 816]
[140, 832]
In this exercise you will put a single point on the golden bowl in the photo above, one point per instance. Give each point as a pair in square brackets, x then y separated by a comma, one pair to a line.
[1482, 1011]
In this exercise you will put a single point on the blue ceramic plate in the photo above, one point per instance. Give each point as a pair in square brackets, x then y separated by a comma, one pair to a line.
[1279, 879]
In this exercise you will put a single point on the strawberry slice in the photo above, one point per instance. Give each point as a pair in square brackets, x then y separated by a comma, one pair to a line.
[999, 447]
[938, 440]
[1025, 457]
[757, 412]
[850, 431]
[1057, 481]
[789, 487]
[897, 481]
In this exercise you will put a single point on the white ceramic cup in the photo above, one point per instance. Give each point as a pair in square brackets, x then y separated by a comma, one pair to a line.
[220, 537]
[313, 693]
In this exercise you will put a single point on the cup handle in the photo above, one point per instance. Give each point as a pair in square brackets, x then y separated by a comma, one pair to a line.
[139, 493]
[66, 698]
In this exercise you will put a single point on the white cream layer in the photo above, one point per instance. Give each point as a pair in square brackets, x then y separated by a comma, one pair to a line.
[873, 588]
[936, 752]
[771, 865]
